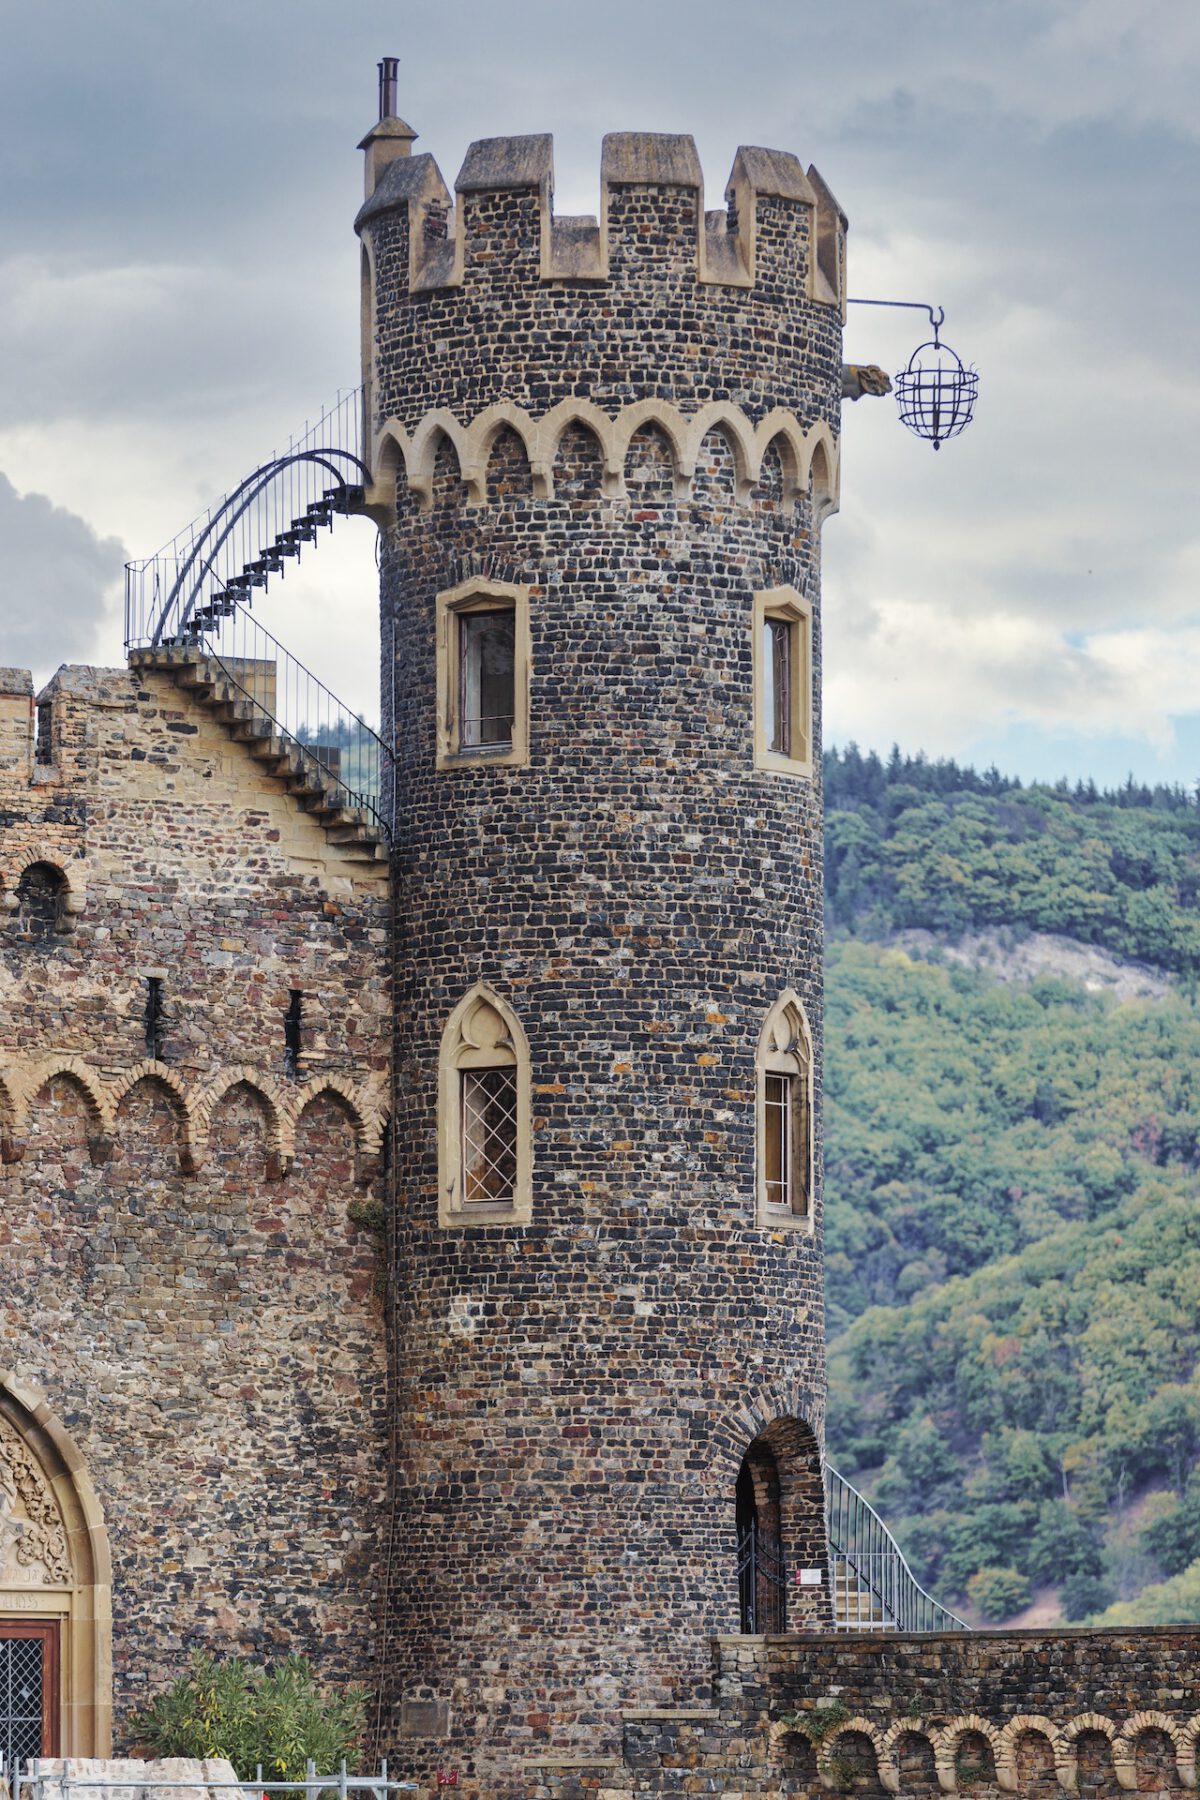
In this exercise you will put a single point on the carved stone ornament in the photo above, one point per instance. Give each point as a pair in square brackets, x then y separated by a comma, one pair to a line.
[33, 1543]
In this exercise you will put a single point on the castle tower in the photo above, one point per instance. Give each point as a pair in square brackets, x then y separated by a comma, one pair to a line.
[602, 451]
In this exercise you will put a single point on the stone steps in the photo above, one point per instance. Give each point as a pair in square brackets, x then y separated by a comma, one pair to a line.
[351, 829]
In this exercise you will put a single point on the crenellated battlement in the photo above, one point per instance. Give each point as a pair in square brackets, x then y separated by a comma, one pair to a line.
[643, 177]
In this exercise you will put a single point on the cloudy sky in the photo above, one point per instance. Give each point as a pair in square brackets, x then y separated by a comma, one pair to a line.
[178, 292]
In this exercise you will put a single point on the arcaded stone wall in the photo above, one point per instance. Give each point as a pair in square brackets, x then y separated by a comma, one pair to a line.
[1035, 1713]
[192, 1244]
[575, 1394]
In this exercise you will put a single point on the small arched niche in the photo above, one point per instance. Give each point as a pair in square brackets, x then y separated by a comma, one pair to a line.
[41, 897]
[55, 1587]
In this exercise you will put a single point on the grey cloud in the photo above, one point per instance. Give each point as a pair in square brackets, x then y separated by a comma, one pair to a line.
[55, 573]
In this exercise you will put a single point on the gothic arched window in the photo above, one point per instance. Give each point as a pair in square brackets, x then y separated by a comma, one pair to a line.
[785, 1117]
[484, 1158]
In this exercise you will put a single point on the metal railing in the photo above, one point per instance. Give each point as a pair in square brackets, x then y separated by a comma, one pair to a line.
[872, 1586]
[50, 1778]
[234, 547]
[191, 601]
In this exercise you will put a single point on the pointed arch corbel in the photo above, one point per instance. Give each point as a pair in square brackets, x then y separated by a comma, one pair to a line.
[391, 459]
[481, 438]
[671, 422]
[161, 1073]
[782, 428]
[436, 425]
[822, 471]
[280, 1129]
[101, 1118]
[553, 424]
[367, 1132]
[721, 415]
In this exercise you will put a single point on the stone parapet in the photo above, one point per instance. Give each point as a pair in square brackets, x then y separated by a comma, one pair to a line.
[733, 246]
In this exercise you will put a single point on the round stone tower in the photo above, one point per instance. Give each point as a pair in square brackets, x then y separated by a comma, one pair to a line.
[602, 452]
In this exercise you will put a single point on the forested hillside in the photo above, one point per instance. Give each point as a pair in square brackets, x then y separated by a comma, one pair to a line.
[1013, 1184]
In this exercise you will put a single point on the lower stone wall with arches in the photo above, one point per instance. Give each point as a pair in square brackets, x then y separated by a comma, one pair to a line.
[1033, 1713]
[194, 1277]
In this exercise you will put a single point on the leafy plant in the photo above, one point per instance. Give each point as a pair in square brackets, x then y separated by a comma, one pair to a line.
[278, 1717]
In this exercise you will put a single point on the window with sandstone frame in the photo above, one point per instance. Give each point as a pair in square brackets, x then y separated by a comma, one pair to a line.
[484, 1140]
[483, 664]
[781, 658]
[784, 1118]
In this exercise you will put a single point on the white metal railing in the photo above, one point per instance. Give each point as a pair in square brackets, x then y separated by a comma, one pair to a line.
[871, 1584]
[50, 1778]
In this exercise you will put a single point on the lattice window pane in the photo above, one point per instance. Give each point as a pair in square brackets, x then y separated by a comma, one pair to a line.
[489, 1134]
[21, 1677]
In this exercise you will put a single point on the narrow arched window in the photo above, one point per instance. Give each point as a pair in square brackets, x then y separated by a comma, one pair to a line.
[41, 902]
[785, 1117]
[484, 1170]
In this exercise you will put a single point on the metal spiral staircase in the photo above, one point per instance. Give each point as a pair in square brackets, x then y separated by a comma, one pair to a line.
[872, 1586]
[187, 613]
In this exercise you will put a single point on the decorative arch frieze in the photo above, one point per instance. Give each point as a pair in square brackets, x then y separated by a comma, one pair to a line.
[946, 1737]
[809, 456]
[21, 1079]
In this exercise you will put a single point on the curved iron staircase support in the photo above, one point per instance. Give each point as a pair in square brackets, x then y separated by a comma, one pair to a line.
[203, 636]
[230, 516]
[872, 1586]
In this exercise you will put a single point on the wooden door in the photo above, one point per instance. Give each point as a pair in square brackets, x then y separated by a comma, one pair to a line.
[28, 1690]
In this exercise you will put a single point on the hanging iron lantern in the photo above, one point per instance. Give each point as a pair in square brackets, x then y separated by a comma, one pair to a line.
[935, 394]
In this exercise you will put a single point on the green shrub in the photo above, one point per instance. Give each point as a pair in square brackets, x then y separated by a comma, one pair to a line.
[998, 1593]
[277, 1717]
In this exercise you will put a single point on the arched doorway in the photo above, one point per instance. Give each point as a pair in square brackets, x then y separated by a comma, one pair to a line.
[762, 1581]
[55, 1590]
[782, 1545]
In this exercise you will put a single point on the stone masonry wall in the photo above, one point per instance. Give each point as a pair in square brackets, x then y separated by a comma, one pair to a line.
[575, 1395]
[1034, 1713]
[191, 1244]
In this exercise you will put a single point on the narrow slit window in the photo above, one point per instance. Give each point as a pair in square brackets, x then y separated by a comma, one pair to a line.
[293, 1021]
[155, 1018]
[43, 742]
[487, 678]
[777, 659]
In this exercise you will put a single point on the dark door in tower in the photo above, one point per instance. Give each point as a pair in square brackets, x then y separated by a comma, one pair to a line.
[28, 1690]
[762, 1591]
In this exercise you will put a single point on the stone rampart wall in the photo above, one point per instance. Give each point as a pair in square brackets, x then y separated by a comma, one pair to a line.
[192, 1240]
[1034, 1713]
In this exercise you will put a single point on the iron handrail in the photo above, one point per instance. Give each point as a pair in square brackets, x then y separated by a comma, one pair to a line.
[871, 1584]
